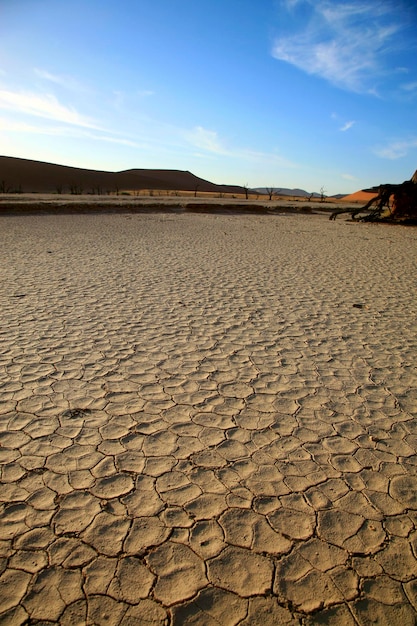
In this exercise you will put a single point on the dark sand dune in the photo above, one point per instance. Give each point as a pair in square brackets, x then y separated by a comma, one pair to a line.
[24, 175]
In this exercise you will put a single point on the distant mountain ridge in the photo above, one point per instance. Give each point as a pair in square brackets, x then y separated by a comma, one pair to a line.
[25, 175]
[284, 191]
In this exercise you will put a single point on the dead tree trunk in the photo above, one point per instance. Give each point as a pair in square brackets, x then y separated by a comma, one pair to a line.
[397, 202]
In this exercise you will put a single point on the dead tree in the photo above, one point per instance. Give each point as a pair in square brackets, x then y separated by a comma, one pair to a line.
[270, 191]
[393, 203]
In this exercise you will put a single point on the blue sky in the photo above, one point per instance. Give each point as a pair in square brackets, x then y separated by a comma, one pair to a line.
[285, 93]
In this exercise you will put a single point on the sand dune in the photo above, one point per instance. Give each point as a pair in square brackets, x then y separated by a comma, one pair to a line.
[24, 175]
[359, 196]
[27, 176]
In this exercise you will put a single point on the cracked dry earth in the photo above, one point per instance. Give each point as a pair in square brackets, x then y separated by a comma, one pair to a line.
[207, 419]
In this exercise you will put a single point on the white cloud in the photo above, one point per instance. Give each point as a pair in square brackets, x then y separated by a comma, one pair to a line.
[208, 142]
[270, 158]
[348, 177]
[145, 93]
[42, 105]
[10, 126]
[409, 86]
[291, 4]
[205, 139]
[342, 42]
[123, 99]
[396, 149]
[347, 125]
[62, 80]
[63, 121]
[54, 78]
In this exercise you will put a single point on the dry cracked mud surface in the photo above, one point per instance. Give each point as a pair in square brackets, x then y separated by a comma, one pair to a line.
[207, 419]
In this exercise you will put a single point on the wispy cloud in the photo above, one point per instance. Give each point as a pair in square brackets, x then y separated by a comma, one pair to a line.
[209, 143]
[347, 125]
[344, 42]
[410, 87]
[396, 149]
[42, 105]
[53, 78]
[205, 139]
[203, 142]
[25, 110]
[348, 177]
[10, 126]
[145, 93]
[122, 100]
[61, 80]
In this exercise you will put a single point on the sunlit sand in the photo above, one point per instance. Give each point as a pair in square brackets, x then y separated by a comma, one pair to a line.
[207, 419]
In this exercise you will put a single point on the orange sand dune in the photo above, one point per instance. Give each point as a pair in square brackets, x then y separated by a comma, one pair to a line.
[359, 196]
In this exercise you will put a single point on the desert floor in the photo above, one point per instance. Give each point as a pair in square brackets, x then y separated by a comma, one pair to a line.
[207, 419]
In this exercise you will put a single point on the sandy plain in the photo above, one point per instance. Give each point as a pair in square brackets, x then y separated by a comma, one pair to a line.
[207, 419]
